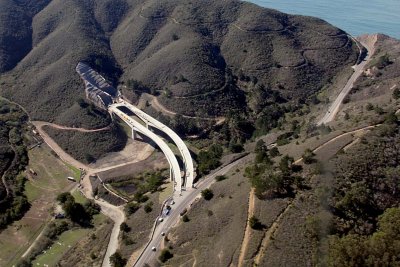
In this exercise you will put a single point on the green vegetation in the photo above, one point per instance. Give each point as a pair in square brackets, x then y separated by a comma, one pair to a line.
[396, 93]
[185, 218]
[255, 223]
[220, 178]
[308, 156]
[117, 260]
[165, 255]
[135, 187]
[78, 213]
[270, 180]
[379, 249]
[124, 227]
[51, 233]
[131, 208]
[209, 160]
[56, 251]
[207, 194]
[13, 159]
[148, 207]
[382, 61]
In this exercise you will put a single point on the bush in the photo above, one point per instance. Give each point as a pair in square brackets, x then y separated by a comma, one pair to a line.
[165, 255]
[369, 107]
[220, 178]
[396, 93]
[383, 61]
[148, 207]
[308, 156]
[117, 260]
[207, 194]
[185, 218]
[255, 223]
[131, 208]
[124, 227]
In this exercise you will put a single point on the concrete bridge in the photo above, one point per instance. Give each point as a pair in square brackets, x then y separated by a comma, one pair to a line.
[175, 172]
[106, 96]
[184, 151]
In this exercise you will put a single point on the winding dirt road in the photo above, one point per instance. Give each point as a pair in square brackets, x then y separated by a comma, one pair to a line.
[111, 211]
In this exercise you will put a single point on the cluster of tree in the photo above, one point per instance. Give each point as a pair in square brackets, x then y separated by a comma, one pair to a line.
[272, 180]
[382, 248]
[366, 201]
[13, 160]
[14, 206]
[367, 180]
[78, 213]
[138, 86]
[209, 159]
[183, 125]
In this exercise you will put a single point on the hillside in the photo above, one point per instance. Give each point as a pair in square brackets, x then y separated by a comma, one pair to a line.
[228, 49]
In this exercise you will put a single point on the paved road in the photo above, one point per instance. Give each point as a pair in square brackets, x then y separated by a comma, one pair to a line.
[137, 126]
[181, 202]
[334, 108]
[184, 151]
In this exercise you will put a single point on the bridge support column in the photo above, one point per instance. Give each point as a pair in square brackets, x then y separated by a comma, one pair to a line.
[133, 134]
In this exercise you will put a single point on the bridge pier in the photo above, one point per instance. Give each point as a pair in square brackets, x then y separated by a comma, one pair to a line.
[133, 134]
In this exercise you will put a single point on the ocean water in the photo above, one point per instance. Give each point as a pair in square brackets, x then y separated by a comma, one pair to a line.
[353, 16]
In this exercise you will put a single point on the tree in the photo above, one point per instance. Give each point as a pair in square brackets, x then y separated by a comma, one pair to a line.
[207, 194]
[64, 197]
[308, 156]
[117, 260]
[165, 255]
[124, 227]
[262, 153]
[285, 165]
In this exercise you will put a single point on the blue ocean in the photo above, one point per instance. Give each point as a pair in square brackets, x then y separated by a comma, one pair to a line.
[353, 16]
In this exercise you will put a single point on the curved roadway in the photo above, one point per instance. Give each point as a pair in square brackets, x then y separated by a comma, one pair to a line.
[181, 203]
[176, 173]
[334, 108]
[187, 158]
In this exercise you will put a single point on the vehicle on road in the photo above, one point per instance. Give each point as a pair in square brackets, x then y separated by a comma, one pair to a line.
[162, 234]
[71, 179]
[153, 249]
[160, 219]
